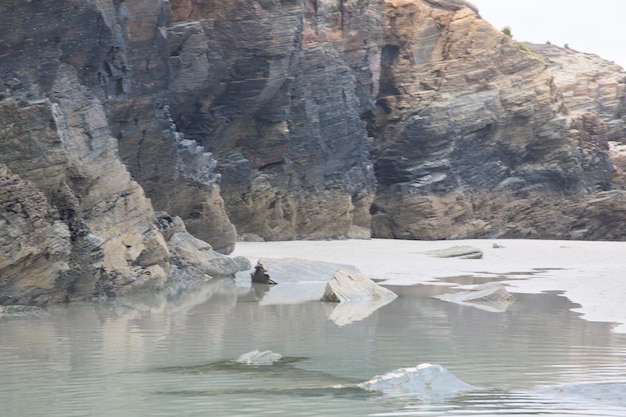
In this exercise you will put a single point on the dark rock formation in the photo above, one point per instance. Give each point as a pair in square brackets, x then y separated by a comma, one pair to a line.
[74, 223]
[260, 276]
[176, 172]
[275, 90]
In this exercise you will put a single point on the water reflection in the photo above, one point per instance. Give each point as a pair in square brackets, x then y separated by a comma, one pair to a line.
[165, 355]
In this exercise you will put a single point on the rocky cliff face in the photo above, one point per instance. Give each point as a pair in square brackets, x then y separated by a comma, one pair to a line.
[287, 119]
[176, 172]
[73, 224]
[275, 90]
[474, 137]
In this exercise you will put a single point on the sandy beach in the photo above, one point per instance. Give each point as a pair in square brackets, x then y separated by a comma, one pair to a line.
[590, 274]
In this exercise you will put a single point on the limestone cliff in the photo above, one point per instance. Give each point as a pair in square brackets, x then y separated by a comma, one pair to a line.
[73, 224]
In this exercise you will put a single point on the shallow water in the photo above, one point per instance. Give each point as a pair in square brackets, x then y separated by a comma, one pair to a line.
[171, 355]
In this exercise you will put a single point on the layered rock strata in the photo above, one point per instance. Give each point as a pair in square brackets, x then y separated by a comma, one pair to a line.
[299, 119]
[176, 172]
[474, 137]
[75, 224]
[275, 90]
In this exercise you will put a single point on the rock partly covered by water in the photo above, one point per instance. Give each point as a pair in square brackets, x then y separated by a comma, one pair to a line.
[298, 279]
[299, 270]
[354, 287]
[22, 311]
[358, 296]
[430, 381]
[604, 394]
[492, 296]
[258, 358]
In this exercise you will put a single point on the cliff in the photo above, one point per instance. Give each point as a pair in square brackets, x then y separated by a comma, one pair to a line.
[275, 90]
[298, 119]
[477, 137]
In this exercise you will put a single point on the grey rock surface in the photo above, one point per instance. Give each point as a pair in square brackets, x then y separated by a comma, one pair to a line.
[492, 297]
[459, 252]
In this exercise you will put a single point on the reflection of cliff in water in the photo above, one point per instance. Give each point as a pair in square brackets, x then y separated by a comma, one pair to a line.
[126, 345]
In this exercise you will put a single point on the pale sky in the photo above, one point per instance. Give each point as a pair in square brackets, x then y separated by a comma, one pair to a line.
[597, 26]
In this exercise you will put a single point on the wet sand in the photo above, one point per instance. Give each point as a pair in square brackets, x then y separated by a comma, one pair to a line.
[591, 274]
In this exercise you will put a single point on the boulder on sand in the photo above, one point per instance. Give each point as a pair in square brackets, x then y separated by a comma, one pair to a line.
[492, 296]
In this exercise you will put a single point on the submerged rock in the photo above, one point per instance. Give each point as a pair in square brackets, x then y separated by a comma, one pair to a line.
[22, 311]
[606, 393]
[295, 270]
[258, 358]
[460, 252]
[492, 297]
[429, 380]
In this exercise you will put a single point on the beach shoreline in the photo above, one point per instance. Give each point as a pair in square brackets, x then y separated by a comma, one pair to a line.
[588, 273]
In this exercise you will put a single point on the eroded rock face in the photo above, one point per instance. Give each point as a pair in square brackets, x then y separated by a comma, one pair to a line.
[467, 121]
[176, 172]
[34, 243]
[588, 84]
[283, 116]
[77, 226]
[275, 90]
[99, 227]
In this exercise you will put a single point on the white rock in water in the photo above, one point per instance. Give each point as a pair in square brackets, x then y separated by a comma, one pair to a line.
[357, 295]
[492, 296]
[427, 379]
[257, 357]
[348, 286]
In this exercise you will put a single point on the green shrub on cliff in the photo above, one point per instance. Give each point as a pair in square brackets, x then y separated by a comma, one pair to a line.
[530, 53]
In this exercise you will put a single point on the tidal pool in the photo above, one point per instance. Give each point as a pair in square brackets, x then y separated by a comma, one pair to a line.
[171, 355]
